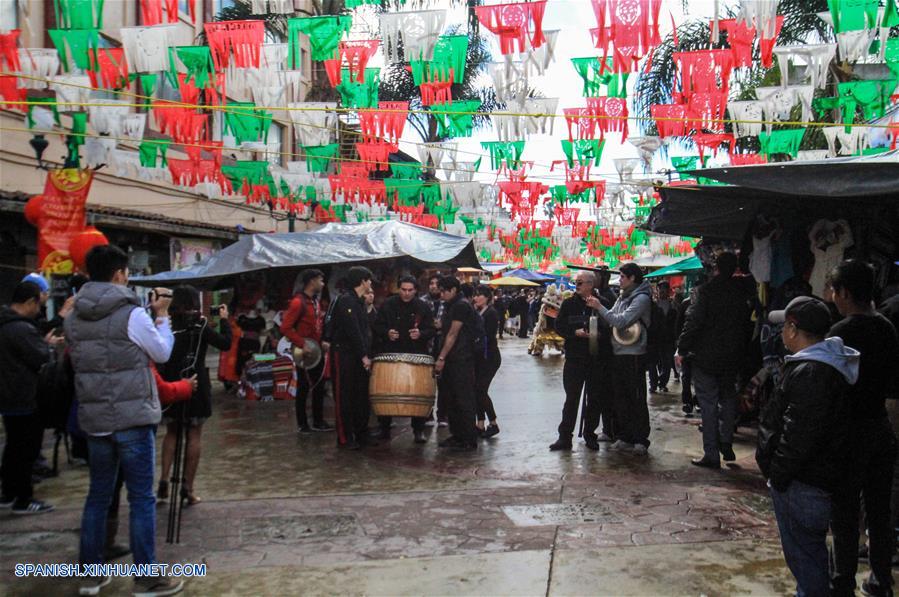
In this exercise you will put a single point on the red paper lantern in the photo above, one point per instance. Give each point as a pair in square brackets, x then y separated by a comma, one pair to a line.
[34, 210]
[83, 242]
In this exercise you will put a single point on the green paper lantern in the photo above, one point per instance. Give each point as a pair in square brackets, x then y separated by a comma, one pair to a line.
[504, 151]
[246, 123]
[356, 95]
[80, 43]
[587, 150]
[455, 119]
[78, 14]
[318, 158]
[324, 37]
[197, 60]
[783, 141]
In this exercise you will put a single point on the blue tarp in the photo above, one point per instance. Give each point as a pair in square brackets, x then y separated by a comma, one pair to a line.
[528, 275]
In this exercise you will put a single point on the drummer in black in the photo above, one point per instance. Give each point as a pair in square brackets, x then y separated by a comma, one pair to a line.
[455, 364]
[404, 324]
[347, 329]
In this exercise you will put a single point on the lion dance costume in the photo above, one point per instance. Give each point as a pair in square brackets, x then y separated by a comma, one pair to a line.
[545, 331]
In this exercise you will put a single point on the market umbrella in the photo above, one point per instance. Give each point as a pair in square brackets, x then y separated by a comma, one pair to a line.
[511, 281]
[526, 274]
[687, 266]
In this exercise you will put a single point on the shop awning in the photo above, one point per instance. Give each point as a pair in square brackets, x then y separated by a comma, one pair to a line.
[686, 266]
[834, 177]
[331, 244]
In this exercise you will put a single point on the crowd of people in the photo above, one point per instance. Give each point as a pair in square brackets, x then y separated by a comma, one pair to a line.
[826, 439]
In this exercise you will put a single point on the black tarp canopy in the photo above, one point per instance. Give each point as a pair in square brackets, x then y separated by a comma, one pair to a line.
[858, 188]
[332, 244]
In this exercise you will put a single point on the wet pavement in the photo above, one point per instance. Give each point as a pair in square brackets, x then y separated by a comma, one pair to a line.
[284, 513]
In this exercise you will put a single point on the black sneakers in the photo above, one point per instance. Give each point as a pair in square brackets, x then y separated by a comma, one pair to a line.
[592, 442]
[33, 507]
[492, 429]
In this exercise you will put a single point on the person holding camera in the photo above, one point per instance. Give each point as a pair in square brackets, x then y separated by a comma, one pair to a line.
[193, 336]
[112, 341]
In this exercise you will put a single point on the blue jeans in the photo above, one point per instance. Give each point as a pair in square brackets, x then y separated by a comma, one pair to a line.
[717, 397]
[803, 517]
[135, 451]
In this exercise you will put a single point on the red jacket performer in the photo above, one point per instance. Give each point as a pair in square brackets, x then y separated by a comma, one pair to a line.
[303, 320]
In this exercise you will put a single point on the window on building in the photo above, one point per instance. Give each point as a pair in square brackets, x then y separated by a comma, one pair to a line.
[9, 15]
[218, 5]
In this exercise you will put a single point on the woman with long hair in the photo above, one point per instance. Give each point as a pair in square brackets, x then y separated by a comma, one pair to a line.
[488, 363]
[193, 335]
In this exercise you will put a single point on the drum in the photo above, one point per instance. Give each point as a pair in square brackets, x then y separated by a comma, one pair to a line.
[402, 385]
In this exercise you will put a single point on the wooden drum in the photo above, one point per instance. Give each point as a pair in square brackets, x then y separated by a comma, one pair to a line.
[402, 385]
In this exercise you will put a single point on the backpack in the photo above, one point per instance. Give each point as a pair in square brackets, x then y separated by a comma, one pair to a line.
[55, 391]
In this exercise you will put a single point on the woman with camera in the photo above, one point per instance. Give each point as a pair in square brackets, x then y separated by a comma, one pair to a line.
[193, 335]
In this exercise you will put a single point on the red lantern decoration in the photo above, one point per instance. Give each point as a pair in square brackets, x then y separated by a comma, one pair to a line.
[83, 242]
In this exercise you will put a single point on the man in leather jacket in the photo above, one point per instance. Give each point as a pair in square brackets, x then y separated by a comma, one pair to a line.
[803, 435]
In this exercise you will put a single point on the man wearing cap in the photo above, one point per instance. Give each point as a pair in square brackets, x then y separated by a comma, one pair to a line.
[714, 338]
[871, 446]
[802, 438]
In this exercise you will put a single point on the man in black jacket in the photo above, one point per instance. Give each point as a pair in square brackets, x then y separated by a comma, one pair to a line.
[583, 368]
[456, 366]
[349, 334]
[872, 445]
[715, 336]
[22, 353]
[660, 356]
[404, 324]
[802, 438]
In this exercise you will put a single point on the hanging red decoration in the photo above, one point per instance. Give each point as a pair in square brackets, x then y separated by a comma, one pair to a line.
[375, 154]
[703, 71]
[766, 46]
[183, 125]
[707, 111]
[190, 94]
[746, 159]
[388, 121]
[706, 141]
[611, 114]
[11, 92]
[436, 91]
[740, 36]
[581, 122]
[112, 67]
[241, 40]
[631, 26]
[357, 53]
[517, 25]
[670, 119]
[151, 12]
[9, 51]
[567, 216]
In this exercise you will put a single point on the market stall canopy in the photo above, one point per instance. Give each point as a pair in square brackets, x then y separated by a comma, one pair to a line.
[834, 177]
[687, 266]
[511, 281]
[494, 268]
[527, 274]
[783, 190]
[331, 244]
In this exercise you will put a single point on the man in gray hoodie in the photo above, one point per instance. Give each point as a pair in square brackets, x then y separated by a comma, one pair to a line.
[630, 318]
[803, 446]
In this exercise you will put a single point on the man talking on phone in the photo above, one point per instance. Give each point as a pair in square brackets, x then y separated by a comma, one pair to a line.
[112, 341]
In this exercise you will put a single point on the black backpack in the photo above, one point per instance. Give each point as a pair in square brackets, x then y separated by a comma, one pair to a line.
[656, 330]
[55, 391]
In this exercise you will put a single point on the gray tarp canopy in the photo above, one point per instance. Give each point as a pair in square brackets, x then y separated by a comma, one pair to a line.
[861, 187]
[329, 245]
